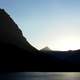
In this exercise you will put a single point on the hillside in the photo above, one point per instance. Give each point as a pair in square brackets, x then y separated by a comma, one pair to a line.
[10, 33]
[17, 54]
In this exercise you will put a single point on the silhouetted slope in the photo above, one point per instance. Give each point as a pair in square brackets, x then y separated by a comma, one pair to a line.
[16, 54]
[10, 32]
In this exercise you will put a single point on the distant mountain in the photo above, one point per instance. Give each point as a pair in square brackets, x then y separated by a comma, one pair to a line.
[11, 34]
[46, 49]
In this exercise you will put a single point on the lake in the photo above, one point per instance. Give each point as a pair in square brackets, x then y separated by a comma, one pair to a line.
[41, 76]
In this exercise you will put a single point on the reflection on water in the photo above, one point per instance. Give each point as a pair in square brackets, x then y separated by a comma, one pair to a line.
[41, 76]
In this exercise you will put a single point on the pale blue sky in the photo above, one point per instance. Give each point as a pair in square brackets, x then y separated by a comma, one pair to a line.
[53, 23]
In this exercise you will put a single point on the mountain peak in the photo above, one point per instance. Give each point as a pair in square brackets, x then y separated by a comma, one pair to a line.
[46, 49]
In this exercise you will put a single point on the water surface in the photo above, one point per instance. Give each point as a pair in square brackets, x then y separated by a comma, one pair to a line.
[41, 76]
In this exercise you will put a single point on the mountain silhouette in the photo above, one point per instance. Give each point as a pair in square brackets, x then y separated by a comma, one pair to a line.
[45, 49]
[11, 34]
[17, 54]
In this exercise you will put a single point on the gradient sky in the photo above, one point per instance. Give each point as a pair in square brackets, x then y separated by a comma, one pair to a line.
[52, 23]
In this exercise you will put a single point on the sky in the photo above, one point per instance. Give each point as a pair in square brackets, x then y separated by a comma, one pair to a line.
[52, 23]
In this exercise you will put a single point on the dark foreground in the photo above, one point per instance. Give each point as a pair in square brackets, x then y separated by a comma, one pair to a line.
[14, 59]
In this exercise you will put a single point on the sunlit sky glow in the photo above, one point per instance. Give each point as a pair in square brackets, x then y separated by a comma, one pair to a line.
[52, 23]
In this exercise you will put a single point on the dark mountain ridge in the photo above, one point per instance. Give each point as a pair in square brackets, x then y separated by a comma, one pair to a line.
[10, 32]
[16, 54]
